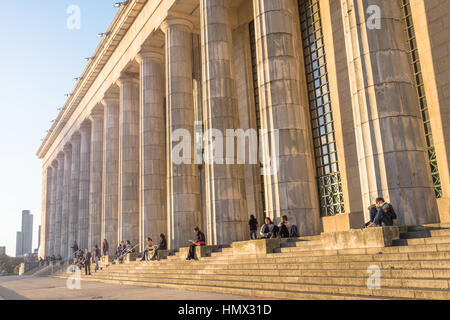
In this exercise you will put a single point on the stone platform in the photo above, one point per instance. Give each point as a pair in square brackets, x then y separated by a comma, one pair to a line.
[413, 263]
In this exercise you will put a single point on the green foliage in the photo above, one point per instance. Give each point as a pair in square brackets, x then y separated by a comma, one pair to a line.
[9, 264]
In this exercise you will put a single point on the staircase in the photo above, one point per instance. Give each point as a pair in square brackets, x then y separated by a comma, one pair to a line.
[416, 266]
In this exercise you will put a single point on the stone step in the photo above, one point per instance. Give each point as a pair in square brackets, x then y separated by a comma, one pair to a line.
[299, 264]
[425, 234]
[402, 293]
[385, 273]
[254, 259]
[323, 280]
[300, 248]
[431, 240]
[272, 294]
[302, 243]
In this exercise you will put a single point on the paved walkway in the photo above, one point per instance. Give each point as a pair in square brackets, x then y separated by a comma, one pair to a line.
[43, 288]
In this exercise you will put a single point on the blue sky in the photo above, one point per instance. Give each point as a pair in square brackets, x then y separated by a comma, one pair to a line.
[39, 57]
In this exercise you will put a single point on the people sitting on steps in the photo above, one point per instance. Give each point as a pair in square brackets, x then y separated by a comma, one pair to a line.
[147, 249]
[200, 240]
[382, 213]
[268, 230]
[253, 224]
[161, 246]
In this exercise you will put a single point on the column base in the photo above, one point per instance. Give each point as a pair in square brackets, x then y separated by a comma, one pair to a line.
[343, 222]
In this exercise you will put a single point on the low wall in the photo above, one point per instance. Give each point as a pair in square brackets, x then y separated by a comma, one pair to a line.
[258, 247]
[362, 238]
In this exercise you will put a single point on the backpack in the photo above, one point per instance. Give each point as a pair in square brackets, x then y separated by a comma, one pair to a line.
[284, 232]
[391, 213]
[294, 232]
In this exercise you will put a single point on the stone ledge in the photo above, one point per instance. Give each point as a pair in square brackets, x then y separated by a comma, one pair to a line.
[258, 247]
[363, 238]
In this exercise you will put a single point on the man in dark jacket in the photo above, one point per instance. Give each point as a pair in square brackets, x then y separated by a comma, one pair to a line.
[87, 262]
[384, 215]
[200, 240]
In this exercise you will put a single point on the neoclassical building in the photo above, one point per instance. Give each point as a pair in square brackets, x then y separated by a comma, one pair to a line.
[356, 92]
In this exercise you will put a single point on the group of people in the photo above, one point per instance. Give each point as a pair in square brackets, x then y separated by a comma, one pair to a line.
[150, 247]
[47, 260]
[270, 230]
[82, 259]
[381, 213]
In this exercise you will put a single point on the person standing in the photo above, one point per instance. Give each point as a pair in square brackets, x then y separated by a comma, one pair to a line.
[105, 247]
[253, 224]
[97, 256]
[87, 262]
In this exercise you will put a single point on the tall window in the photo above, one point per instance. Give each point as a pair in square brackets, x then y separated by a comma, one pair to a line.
[423, 104]
[256, 96]
[322, 123]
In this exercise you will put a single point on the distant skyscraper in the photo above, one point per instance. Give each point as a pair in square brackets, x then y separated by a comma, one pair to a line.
[2, 251]
[19, 244]
[24, 239]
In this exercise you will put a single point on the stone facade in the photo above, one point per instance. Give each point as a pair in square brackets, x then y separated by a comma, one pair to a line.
[334, 86]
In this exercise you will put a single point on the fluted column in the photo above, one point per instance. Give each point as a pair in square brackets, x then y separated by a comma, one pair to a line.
[45, 244]
[183, 180]
[75, 189]
[96, 178]
[153, 215]
[59, 203]
[290, 189]
[129, 158]
[51, 233]
[226, 208]
[110, 208]
[66, 201]
[83, 204]
[389, 135]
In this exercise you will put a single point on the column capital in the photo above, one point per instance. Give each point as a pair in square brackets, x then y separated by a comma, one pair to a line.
[176, 20]
[153, 54]
[128, 77]
[55, 164]
[85, 127]
[60, 157]
[111, 97]
[67, 147]
[76, 137]
[97, 113]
